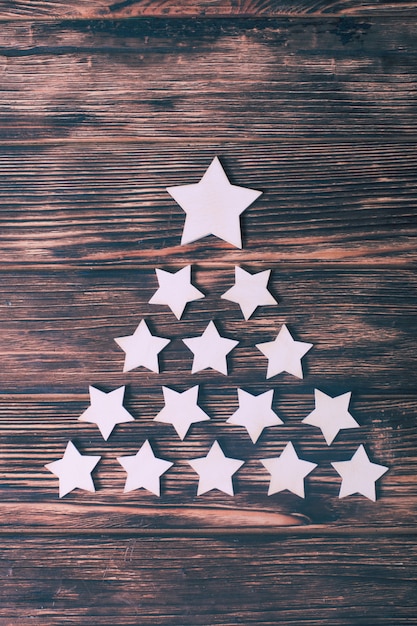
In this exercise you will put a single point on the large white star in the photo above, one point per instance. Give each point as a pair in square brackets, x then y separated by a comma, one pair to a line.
[144, 469]
[215, 470]
[284, 354]
[250, 291]
[175, 290]
[106, 410]
[181, 410]
[210, 350]
[331, 414]
[359, 475]
[255, 413]
[213, 206]
[74, 470]
[288, 471]
[142, 348]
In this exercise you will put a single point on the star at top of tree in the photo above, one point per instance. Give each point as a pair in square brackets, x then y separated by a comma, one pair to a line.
[213, 206]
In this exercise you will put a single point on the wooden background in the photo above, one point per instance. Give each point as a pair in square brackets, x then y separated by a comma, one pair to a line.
[104, 105]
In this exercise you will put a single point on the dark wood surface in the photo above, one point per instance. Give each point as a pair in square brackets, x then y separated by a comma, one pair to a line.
[102, 107]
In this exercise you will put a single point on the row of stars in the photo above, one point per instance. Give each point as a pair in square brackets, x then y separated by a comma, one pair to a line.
[215, 470]
[181, 410]
[210, 350]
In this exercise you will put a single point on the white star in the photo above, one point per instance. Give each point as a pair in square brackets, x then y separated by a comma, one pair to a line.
[255, 413]
[144, 469]
[74, 470]
[359, 475]
[142, 348]
[181, 410]
[210, 350]
[331, 414]
[175, 290]
[250, 291]
[215, 470]
[284, 354]
[106, 410]
[288, 471]
[213, 206]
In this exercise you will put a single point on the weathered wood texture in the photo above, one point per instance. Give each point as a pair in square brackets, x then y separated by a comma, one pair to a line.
[102, 9]
[209, 79]
[97, 117]
[107, 205]
[179, 582]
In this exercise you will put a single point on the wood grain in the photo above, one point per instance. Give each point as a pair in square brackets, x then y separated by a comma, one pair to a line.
[106, 205]
[200, 581]
[265, 80]
[103, 9]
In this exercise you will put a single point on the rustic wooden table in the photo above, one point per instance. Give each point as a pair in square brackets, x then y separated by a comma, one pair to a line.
[102, 107]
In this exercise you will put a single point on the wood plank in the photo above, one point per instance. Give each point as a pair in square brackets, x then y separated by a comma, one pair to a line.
[35, 431]
[334, 582]
[107, 204]
[263, 79]
[103, 9]
[58, 331]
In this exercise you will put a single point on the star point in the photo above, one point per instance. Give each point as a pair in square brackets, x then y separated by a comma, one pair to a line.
[215, 470]
[284, 354]
[181, 410]
[250, 291]
[331, 414]
[175, 290]
[288, 471]
[210, 350]
[144, 470]
[74, 470]
[213, 206]
[106, 410]
[359, 475]
[142, 348]
[255, 413]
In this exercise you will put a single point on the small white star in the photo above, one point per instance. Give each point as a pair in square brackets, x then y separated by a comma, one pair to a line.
[210, 350]
[142, 348]
[284, 354]
[359, 475]
[181, 410]
[255, 413]
[175, 290]
[250, 291]
[288, 471]
[213, 206]
[215, 470]
[106, 410]
[73, 470]
[331, 414]
[144, 469]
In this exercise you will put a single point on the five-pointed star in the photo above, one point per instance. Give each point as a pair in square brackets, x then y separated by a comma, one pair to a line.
[181, 410]
[359, 475]
[210, 350]
[255, 413]
[175, 290]
[284, 354]
[215, 470]
[142, 348]
[144, 469]
[106, 410]
[213, 206]
[74, 470]
[331, 414]
[288, 471]
[250, 291]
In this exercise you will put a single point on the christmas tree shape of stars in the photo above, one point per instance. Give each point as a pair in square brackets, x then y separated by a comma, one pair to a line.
[213, 206]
